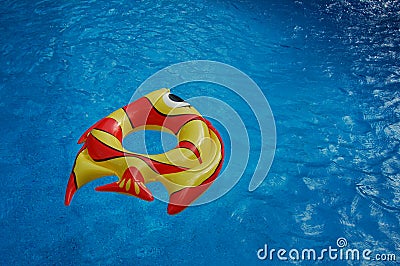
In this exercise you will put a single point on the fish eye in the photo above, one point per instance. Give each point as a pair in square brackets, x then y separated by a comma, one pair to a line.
[175, 98]
[174, 101]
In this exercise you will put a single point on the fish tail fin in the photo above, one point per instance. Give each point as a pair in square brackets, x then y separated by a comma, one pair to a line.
[83, 171]
[180, 200]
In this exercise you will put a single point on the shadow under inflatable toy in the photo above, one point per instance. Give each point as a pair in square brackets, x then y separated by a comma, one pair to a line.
[186, 171]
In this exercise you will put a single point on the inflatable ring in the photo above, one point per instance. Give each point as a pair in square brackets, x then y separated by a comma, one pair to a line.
[186, 171]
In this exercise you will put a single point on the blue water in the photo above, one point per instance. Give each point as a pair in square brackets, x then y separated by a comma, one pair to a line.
[330, 71]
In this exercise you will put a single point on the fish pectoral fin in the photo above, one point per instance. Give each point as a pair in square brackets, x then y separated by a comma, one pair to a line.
[124, 186]
[130, 185]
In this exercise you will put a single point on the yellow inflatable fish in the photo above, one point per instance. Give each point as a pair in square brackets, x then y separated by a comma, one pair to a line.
[186, 171]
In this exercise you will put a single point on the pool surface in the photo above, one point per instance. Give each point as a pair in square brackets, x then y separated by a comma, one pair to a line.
[329, 69]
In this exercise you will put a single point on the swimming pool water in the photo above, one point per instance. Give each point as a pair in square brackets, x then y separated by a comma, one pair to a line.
[330, 71]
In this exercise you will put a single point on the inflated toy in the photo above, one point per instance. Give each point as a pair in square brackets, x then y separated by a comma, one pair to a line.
[186, 171]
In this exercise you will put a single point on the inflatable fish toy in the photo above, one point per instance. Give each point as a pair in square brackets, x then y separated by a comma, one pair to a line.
[186, 171]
